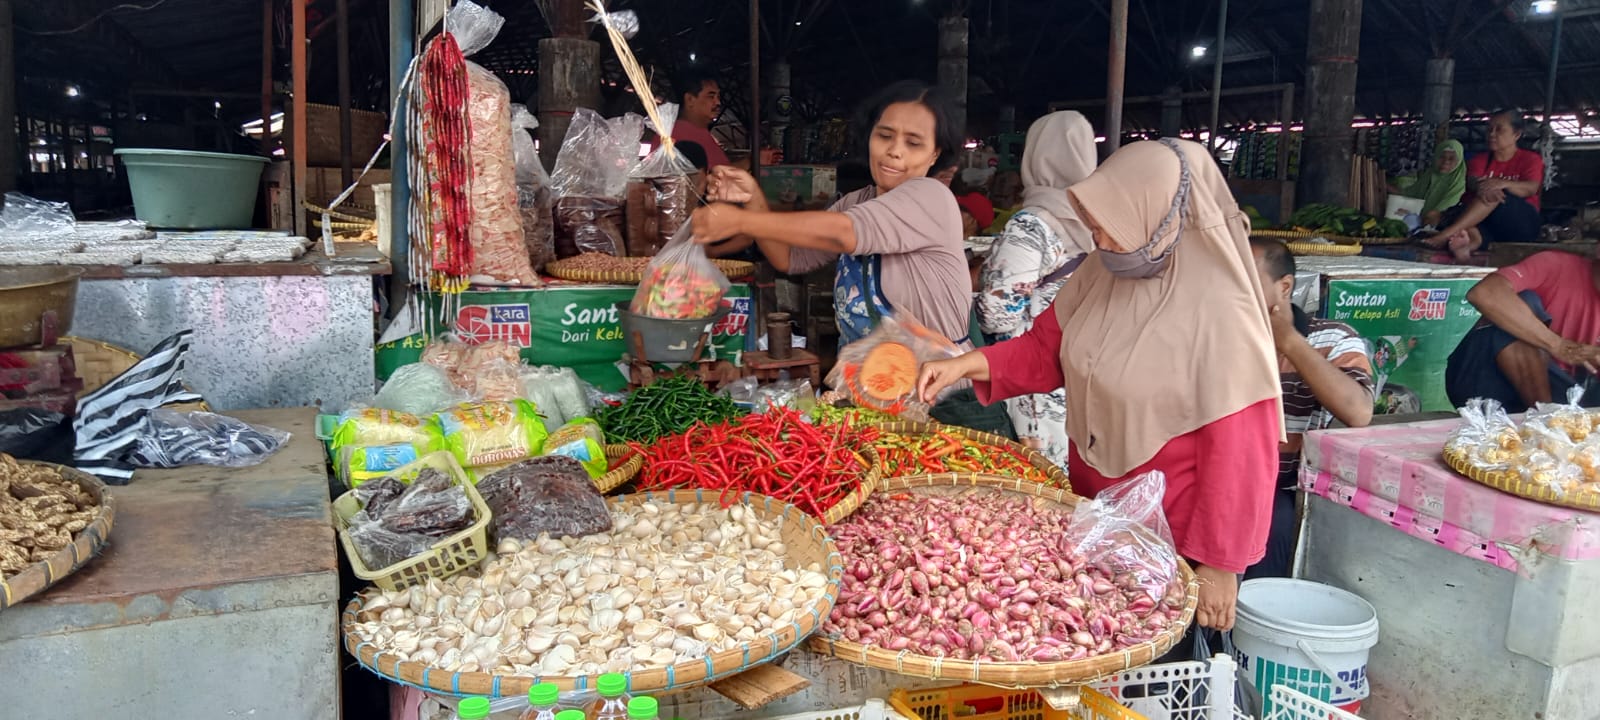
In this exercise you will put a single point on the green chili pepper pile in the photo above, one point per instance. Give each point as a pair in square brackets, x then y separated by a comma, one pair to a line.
[665, 407]
[850, 415]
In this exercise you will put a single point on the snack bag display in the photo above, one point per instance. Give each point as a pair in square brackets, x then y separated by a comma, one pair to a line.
[879, 371]
[680, 283]
[581, 440]
[377, 426]
[492, 433]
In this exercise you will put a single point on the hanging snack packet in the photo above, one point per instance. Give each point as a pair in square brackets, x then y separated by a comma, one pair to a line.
[581, 440]
[590, 179]
[660, 193]
[491, 433]
[879, 371]
[499, 251]
[680, 283]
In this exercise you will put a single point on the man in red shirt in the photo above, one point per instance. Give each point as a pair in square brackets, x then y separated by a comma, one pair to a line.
[700, 102]
[1503, 204]
[1541, 323]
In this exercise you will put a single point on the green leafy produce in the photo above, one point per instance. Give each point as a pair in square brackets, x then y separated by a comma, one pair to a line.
[665, 407]
[1336, 220]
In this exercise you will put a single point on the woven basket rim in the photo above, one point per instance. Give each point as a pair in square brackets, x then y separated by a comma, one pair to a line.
[733, 269]
[1339, 239]
[871, 480]
[1508, 481]
[676, 677]
[1007, 674]
[133, 359]
[615, 477]
[86, 544]
[1324, 250]
[1037, 459]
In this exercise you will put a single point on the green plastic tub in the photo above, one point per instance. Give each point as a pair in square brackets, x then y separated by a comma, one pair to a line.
[187, 190]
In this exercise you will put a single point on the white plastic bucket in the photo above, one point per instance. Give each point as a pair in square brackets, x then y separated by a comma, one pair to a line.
[1308, 636]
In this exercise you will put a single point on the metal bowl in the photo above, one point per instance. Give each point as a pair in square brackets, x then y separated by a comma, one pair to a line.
[27, 293]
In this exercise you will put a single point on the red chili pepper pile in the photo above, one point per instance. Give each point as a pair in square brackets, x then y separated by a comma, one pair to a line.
[904, 455]
[777, 454]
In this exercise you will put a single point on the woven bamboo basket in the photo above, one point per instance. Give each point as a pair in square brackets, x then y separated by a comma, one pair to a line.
[1057, 477]
[630, 271]
[86, 543]
[1290, 235]
[1323, 249]
[1586, 497]
[871, 480]
[805, 542]
[620, 472]
[1011, 674]
[100, 362]
[1282, 234]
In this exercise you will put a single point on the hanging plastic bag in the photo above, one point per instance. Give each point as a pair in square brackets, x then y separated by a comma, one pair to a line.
[879, 371]
[174, 439]
[534, 197]
[499, 250]
[590, 179]
[1124, 531]
[680, 283]
[660, 192]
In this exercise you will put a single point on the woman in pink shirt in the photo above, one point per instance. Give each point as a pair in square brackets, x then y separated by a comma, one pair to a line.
[1163, 345]
[1503, 201]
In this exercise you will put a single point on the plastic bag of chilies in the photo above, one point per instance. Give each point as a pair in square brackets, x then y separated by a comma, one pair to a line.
[590, 179]
[499, 251]
[680, 283]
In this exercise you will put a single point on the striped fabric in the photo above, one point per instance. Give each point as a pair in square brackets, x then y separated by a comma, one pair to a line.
[109, 419]
[1302, 413]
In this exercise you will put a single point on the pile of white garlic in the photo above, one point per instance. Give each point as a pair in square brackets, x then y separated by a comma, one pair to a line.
[671, 582]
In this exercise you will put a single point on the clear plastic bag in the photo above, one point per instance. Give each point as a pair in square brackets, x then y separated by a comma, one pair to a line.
[171, 439]
[1486, 435]
[24, 215]
[1569, 417]
[879, 371]
[797, 395]
[1123, 534]
[419, 389]
[485, 371]
[590, 179]
[499, 250]
[680, 283]
[492, 433]
[535, 199]
[401, 520]
[660, 193]
[551, 494]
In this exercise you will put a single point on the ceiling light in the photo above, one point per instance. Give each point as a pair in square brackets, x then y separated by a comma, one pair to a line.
[692, 57]
[73, 91]
[797, 22]
[1198, 51]
[1544, 7]
[217, 104]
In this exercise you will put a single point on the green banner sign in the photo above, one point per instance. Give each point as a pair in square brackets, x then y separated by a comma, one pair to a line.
[576, 327]
[1412, 326]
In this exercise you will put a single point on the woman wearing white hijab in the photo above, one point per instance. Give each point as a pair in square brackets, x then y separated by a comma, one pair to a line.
[1041, 246]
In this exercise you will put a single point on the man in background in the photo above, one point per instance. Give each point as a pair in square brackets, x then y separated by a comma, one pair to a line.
[699, 103]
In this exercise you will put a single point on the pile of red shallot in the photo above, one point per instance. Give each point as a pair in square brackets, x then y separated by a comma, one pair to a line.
[989, 576]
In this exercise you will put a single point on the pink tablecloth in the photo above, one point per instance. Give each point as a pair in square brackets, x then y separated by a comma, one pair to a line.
[1395, 473]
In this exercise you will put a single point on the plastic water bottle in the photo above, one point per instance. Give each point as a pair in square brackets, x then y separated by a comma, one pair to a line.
[473, 708]
[542, 699]
[643, 708]
[613, 702]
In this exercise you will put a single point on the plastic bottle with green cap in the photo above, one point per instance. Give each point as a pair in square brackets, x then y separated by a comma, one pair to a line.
[543, 700]
[473, 708]
[613, 702]
[643, 708]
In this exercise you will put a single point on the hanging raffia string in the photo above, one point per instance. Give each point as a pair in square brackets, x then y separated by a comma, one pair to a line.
[636, 76]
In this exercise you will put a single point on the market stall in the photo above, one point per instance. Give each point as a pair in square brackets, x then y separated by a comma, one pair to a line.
[1484, 595]
[1411, 314]
[216, 597]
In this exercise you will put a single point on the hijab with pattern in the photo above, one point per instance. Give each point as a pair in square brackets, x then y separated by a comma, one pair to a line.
[1147, 360]
[1060, 153]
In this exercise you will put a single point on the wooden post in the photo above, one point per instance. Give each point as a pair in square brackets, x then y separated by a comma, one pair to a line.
[1437, 102]
[1331, 54]
[1216, 79]
[569, 78]
[953, 67]
[1116, 71]
[9, 153]
[266, 78]
[297, 134]
[753, 132]
[347, 174]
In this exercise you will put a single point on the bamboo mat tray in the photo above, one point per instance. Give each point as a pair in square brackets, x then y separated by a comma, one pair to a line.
[85, 545]
[1030, 674]
[630, 271]
[1323, 249]
[1586, 497]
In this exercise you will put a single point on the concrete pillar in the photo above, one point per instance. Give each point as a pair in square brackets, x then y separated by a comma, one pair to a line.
[953, 66]
[569, 78]
[1437, 102]
[1116, 73]
[8, 100]
[1172, 111]
[781, 109]
[1333, 48]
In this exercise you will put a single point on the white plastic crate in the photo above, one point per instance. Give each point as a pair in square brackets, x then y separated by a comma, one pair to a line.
[1291, 704]
[1176, 691]
[873, 709]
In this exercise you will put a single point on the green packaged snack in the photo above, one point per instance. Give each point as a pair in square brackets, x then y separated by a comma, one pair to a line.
[581, 440]
[492, 433]
[372, 442]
